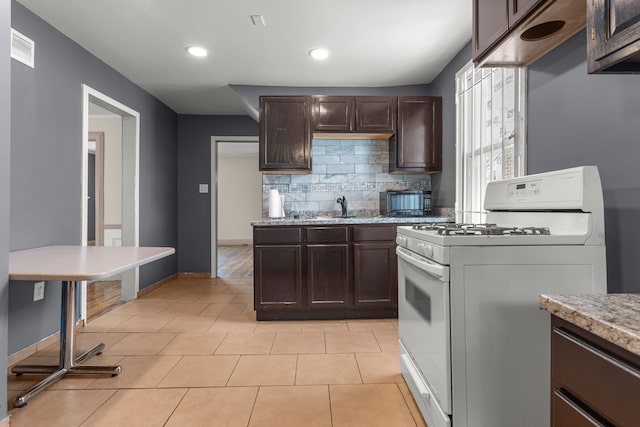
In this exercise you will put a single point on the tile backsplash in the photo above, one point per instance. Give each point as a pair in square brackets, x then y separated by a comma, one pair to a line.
[357, 169]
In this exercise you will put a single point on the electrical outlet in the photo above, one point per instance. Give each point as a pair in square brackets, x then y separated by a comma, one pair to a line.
[38, 291]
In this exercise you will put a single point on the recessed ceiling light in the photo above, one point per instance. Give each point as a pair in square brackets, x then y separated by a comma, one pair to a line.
[197, 51]
[319, 53]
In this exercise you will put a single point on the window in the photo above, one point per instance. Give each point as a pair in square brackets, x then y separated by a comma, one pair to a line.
[490, 140]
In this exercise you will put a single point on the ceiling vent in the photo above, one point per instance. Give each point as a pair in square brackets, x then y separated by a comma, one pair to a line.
[22, 48]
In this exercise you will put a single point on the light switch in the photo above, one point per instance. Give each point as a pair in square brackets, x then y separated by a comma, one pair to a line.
[203, 188]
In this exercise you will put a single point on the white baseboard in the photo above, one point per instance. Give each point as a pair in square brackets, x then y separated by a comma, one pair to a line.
[5, 422]
[235, 242]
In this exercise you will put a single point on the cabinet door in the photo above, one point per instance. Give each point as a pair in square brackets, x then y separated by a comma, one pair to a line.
[613, 34]
[376, 114]
[278, 276]
[328, 275]
[519, 8]
[333, 113]
[490, 22]
[375, 277]
[419, 137]
[285, 133]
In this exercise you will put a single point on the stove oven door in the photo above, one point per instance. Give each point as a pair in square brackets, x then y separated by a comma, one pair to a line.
[424, 324]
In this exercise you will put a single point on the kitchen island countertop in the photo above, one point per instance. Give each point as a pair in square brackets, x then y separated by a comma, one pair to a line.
[613, 317]
[352, 220]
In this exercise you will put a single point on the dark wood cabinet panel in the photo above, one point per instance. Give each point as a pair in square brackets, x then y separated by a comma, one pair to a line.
[490, 23]
[277, 235]
[285, 134]
[518, 9]
[375, 281]
[375, 114]
[334, 113]
[367, 233]
[328, 275]
[613, 34]
[418, 143]
[595, 378]
[332, 234]
[278, 276]
[566, 413]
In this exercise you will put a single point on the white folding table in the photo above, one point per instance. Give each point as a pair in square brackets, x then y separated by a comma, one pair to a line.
[71, 265]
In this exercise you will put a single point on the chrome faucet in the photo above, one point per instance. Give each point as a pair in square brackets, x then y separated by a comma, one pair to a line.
[343, 203]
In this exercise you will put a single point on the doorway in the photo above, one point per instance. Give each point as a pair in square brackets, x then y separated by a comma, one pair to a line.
[236, 200]
[123, 183]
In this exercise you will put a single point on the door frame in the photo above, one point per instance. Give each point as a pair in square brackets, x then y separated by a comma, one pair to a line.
[130, 183]
[98, 137]
[214, 193]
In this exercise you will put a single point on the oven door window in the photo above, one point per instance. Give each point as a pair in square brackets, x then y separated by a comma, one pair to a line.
[424, 323]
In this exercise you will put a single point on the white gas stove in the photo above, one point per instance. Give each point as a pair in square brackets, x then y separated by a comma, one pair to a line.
[474, 345]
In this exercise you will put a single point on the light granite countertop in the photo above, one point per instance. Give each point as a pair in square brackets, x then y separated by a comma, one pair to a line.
[323, 220]
[613, 317]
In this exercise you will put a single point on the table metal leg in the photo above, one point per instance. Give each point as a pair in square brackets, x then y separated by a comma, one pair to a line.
[67, 365]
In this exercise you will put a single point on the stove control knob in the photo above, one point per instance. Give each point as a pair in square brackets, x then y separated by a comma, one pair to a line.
[426, 250]
[401, 241]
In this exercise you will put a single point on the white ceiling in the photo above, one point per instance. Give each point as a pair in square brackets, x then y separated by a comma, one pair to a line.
[372, 43]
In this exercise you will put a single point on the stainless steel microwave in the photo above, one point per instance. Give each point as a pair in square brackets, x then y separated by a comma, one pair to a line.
[405, 203]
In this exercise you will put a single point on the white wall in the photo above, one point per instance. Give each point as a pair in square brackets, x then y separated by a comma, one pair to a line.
[112, 128]
[239, 197]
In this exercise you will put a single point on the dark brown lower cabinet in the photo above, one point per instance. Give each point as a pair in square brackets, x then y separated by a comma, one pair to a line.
[349, 272]
[593, 382]
[328, 276]
[375, 281]
[277, 268]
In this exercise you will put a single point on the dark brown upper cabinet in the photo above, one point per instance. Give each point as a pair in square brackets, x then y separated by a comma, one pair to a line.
[375, 114]
[613, 34]
[417, 146]
[518, 32]
[348, 114]
[285, 134]
[334, 113]
[518, 9]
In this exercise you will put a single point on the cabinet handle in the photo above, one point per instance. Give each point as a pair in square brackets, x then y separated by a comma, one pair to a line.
[576, 407]
[593, 33]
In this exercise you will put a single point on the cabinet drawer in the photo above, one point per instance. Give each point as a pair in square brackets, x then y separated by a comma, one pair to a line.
[327, 234]
[565, 412]
[277, 235]
[602, 382]
[364, 233]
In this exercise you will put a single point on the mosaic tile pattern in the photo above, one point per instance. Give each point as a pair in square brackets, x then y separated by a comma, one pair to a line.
[356, 169]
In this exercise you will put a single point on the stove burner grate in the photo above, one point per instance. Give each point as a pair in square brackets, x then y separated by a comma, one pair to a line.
[461, 229]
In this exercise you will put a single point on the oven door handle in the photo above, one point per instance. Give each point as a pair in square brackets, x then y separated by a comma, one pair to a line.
[441, 272]
[415, 377]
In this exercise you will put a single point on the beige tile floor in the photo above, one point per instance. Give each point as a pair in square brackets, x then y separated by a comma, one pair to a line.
[193, 355]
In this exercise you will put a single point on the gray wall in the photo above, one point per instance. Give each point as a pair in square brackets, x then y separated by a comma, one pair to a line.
[579, 119]
[443, 184]
[194, 167]
[5, 141]
[46, 127]
[573, 119]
